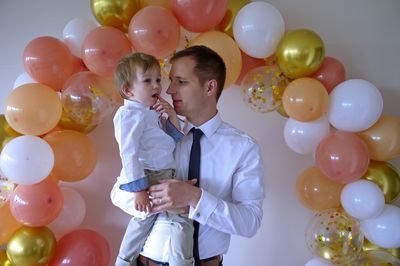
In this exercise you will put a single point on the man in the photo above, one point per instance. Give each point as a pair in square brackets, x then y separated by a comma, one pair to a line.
[231, 190]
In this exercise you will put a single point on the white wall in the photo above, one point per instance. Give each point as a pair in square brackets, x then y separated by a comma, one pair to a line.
[363, 34]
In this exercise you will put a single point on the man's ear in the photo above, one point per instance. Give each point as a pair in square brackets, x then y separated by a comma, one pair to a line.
[212, 87]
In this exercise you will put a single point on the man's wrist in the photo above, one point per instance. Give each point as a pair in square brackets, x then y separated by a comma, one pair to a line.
[195, 196]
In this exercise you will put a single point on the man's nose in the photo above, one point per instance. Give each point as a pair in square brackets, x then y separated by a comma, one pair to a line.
[170, 89]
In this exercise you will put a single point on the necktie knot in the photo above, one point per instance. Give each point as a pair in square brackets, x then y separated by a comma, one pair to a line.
[197, 133]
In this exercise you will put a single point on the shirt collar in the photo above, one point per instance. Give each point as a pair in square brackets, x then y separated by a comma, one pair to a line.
[135, 104]
[208, 127]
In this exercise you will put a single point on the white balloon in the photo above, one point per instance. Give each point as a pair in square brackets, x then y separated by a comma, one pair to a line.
[304, 137]
[26, 160]
[384, 230]
[23, 79]
[362, 199]
[258, 27]
[317, 262]
[74, 34]
[355, 105]
[72, 213]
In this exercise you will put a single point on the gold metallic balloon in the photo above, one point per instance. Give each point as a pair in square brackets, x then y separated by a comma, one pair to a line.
[368, 246]
[378, 258]
[4, 261]
[300, 53]
[6, 132]
[387, 177]
[67, 123]
[31, 246]
[232, 9]
[114, 13]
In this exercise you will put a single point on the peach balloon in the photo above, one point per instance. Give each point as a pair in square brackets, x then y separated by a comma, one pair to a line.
[330, 73]
[102, 48]
[8, 224]
[305, 99]
[199, 16]
[48, 61]
[75, 155]
[36, 205]
[383, 138]
[248, 63]
[316, 191]
[154, 30]
[342, 156]
[33, 109]
[227, 48]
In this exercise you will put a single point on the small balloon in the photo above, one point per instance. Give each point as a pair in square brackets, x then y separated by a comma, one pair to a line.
[334, 236]
[330, 73]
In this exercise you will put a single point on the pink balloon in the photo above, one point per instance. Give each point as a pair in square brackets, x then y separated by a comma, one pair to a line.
[154, 30]
[36, 205]
[82, 247]
[330, 73]
[49, 61]
[102, 48]
[343, 157]
[199, 16]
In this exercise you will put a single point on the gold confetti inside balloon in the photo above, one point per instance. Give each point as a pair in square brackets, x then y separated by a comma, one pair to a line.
[6, 188]
[263, 87]
[334, 236]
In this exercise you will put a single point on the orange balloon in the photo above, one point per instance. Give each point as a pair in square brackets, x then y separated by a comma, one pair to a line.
[49, 61]
[305, 99]
[75, 155]
[8, 224]
[163, 3]
[227, 48]
[383, 138]
[33, 109]
[102, 48]
[317, 192]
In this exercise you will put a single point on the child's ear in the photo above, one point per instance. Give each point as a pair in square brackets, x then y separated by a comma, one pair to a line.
[127, 91]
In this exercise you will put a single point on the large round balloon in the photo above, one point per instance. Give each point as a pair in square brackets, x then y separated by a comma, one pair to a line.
[33, 109]
[114, 13]
[248, 63]
[31, 246]
[227, 48]
[300, 53]
[330, 73]
[356, 105]
[8, 224]
[154, 30]
[82, 247]
[226, 24]
[263, 87]
[334, 236]
[258, 28]
[26, 160]
[48, 61]
[75, 32]
[75, 155]
[199, 16]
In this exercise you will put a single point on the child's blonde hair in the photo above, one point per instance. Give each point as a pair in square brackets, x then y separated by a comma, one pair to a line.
[125, 72]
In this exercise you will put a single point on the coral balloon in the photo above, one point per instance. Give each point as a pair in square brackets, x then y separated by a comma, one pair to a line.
[305, 99]
[227, 48]
[75, 32]
[31, 246]
[82, 247]
[48, 61]
[36, 205]
[387, 177]
[300, 53]
[330, 73]
[154, 30]
[317, 192]
[263, 87]
[6, 132]
[8, 224]
[248, 63]
[342, 157]
[199, 16]
[102, 48]
[33, 109]
[75, 155]
[233, 7]
[114, 13]
[334, 236]
[383, 138]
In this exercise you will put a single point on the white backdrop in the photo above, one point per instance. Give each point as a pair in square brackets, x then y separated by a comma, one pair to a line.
[363, 34]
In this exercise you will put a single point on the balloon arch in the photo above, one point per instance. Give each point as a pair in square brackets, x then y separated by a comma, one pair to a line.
[68, 89]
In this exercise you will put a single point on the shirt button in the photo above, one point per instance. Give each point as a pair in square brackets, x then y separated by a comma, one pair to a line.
[198, 215]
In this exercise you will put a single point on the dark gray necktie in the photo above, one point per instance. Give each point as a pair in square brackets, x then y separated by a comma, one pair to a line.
[194, 172]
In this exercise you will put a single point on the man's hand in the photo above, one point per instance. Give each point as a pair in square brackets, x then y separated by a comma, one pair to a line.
[172, 194]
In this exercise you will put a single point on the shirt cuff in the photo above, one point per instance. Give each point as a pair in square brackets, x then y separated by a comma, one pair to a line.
[205, 207]
[173, 132]
[136, 185]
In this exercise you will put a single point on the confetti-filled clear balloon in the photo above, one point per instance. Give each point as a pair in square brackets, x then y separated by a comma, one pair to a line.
[334, 236]
[263, 87]
[6, 188]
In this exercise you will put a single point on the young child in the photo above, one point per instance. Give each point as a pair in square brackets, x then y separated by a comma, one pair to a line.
[147, 155]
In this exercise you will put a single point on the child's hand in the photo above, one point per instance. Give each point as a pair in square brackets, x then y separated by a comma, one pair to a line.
[141, 201]
[162, 106]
